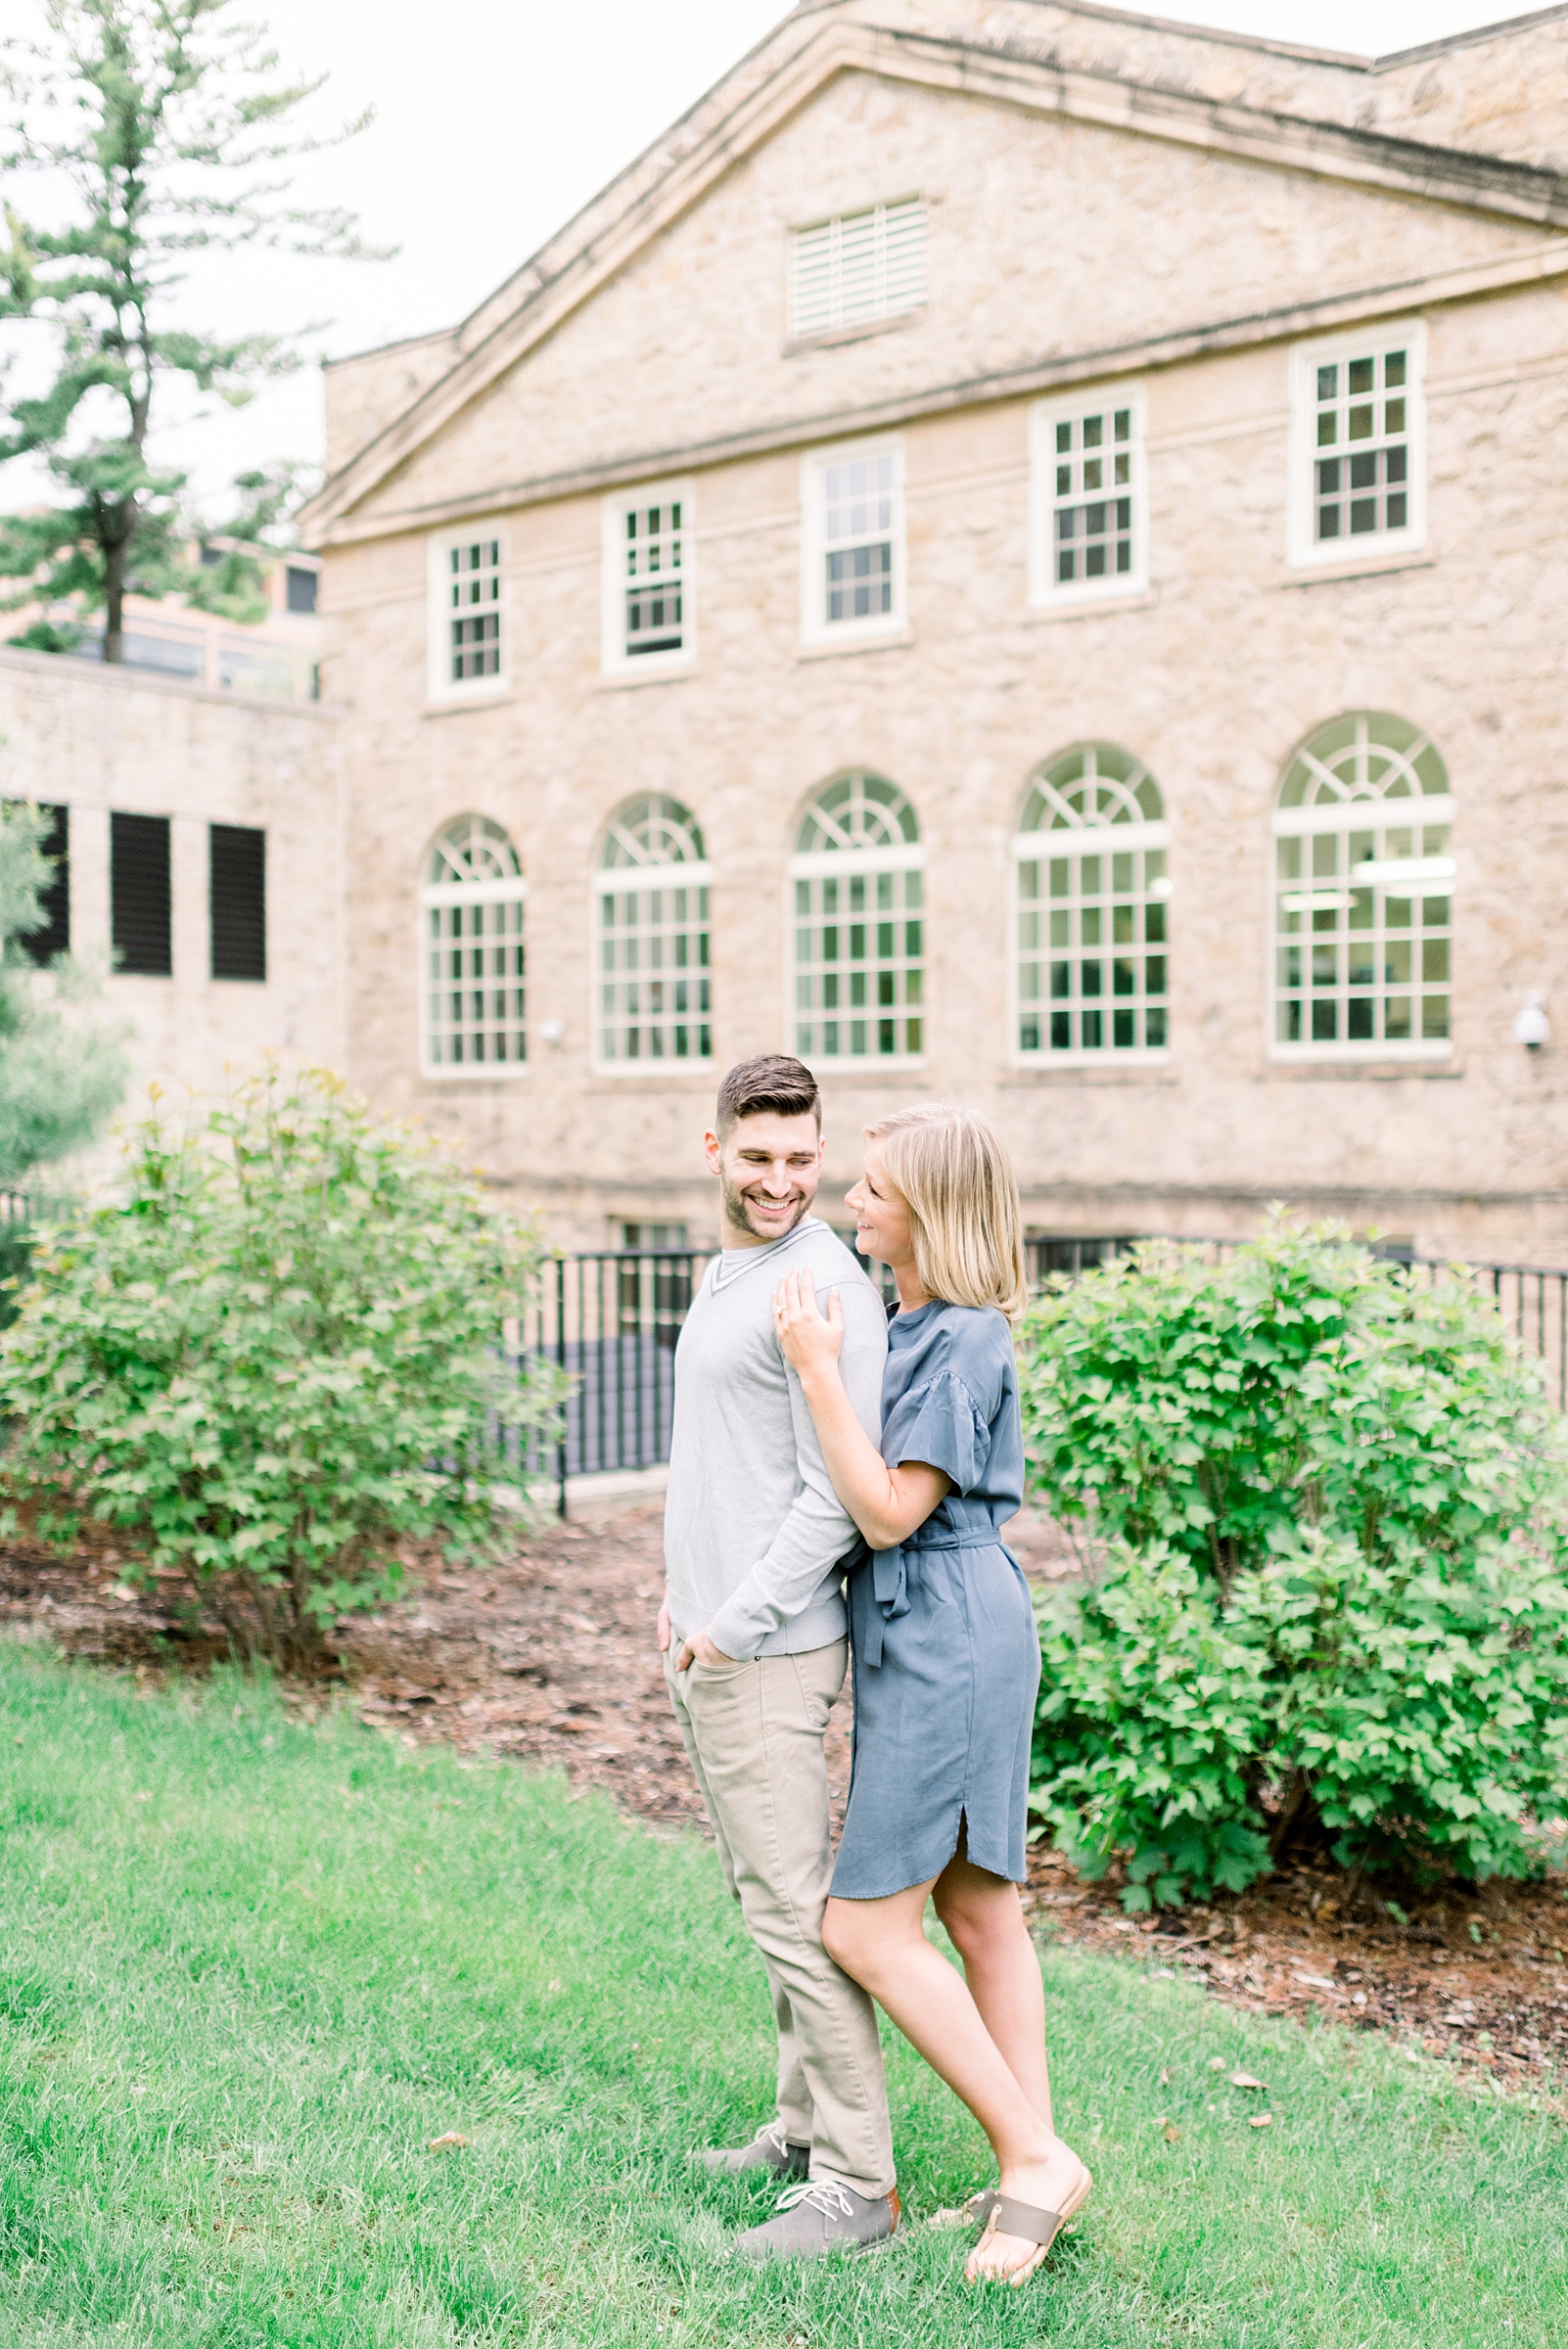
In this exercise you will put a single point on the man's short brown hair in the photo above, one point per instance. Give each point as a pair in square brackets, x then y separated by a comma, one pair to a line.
[775, 1081]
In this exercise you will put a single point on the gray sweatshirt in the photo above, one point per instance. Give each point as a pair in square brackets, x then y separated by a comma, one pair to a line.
[754, 1532]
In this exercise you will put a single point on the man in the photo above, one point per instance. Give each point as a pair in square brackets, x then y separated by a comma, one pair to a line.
[755, 1643]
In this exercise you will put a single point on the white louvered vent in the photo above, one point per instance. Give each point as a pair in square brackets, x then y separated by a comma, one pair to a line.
[858, 266]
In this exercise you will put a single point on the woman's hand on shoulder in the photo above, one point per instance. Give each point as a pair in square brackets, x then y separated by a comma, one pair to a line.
[811, 1340]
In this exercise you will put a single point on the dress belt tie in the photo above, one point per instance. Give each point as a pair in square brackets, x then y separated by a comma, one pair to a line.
[892, 1580]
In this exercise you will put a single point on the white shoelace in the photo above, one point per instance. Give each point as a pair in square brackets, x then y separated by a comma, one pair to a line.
[821, 2194]
[775, 2136]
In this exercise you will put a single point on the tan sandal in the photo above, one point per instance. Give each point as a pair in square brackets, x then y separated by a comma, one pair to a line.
[972, 2213]
[1032, 2226]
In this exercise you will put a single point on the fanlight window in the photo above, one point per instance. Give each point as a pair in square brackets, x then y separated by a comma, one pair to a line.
[1091, 907]
[472, 911]
[1362, 883]
[858, 876]
[655, 1000]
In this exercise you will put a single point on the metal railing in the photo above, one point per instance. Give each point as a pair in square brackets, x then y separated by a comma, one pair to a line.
[609, 1320]
[1532, 1301]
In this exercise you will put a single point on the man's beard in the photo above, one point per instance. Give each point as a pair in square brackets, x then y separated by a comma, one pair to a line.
[737, 1212]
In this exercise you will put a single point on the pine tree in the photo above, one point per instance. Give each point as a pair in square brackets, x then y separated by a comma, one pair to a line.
[167, 122]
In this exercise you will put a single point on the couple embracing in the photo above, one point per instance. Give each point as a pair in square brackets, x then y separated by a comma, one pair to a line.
[839, 1477]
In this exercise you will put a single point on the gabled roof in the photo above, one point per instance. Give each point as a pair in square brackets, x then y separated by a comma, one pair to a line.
[1351, 60]
[821, 40]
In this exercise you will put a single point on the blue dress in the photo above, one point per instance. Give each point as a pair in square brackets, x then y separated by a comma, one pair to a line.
[944, 1648]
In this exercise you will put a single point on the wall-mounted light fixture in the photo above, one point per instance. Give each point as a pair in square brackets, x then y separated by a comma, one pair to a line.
[551, 1032]
[1531, 1027]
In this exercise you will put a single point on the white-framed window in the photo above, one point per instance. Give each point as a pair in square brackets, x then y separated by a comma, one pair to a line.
[473, 1004]
[654, 1001]
[857, 267]
[1358, 418]
[1091, 909]
[467, 626]
[852, 542]
[1362, 895]
[1088, 508]
[858, 889]
[647, 572]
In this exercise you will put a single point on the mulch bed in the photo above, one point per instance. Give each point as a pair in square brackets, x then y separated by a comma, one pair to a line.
[549, 1658]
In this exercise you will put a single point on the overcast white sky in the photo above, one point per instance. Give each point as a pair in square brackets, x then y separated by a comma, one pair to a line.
[496, 120]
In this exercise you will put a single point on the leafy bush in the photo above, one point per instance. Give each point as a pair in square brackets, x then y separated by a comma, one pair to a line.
[62, 1070]
[279, 1354]
[1325, 1515]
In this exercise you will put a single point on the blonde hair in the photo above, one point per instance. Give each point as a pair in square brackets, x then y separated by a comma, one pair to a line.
[951, 1169]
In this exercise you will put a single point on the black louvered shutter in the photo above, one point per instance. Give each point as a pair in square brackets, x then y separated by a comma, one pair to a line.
[139, 895]
[238, 896]
[53, 934]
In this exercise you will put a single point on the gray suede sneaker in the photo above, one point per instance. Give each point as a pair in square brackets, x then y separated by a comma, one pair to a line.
[769, 2150]
[817, 2216]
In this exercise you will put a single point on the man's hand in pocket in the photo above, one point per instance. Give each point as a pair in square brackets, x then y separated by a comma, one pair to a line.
[700, 1650]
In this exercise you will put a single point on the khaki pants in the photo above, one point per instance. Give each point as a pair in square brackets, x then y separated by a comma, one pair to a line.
[753, 1733]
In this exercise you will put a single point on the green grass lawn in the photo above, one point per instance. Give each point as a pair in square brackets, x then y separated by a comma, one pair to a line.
[248, 1970]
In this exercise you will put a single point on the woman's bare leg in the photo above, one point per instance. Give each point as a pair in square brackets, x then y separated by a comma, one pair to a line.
[882, 1945]
[984, 1922]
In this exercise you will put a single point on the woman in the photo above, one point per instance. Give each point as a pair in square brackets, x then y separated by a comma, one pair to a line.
[945, 1655]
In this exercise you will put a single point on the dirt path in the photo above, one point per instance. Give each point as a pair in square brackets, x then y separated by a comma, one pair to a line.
[550, 1659]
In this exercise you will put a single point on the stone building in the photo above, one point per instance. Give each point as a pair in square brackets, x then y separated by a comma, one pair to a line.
[196, 831]
[1020, 552]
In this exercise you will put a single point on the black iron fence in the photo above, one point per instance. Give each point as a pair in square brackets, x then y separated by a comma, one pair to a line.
[610, 1320]
[1532, 1300]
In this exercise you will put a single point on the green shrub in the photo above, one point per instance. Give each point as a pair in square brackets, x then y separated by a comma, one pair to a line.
[1325, 1512]
[277, 1355]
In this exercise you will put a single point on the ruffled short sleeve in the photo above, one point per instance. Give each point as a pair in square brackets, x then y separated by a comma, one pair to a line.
[941, 1423]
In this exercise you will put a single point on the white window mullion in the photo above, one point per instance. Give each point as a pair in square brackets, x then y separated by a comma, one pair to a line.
[646, 565]
[473, 1000]
[1091, 907]
[1358, 458]
[1362, 888]
[857, 928]
[852, 542]
[1088, 507]
[467, 614]
[652, 1004]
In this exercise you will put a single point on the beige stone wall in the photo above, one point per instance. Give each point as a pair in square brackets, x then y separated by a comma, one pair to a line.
[366, 391]
[1049, 236]
[1500, 91]
[1212, 681]
[101, 740]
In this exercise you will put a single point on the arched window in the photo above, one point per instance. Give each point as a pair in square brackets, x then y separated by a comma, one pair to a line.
[655, 990]
[1092, 969]
[860, 964]
[472, 912]
[1362, 876]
